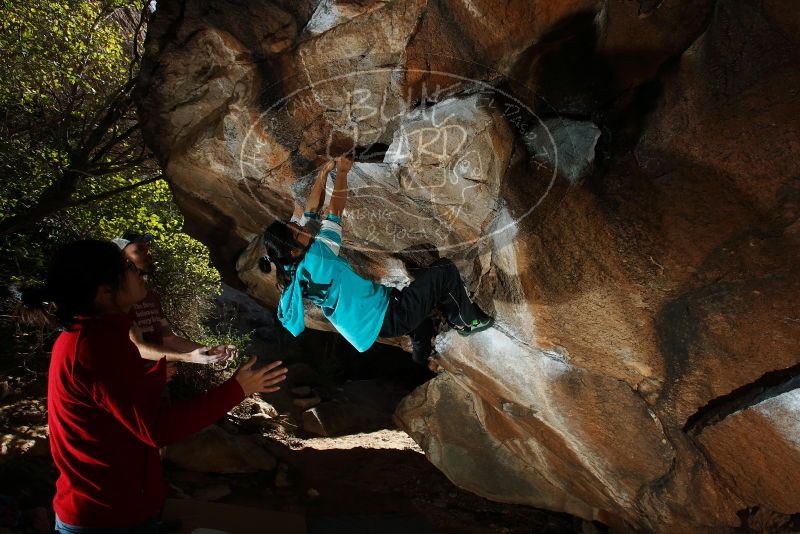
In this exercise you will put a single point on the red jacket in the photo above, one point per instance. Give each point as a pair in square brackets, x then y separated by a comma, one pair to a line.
[107, 421]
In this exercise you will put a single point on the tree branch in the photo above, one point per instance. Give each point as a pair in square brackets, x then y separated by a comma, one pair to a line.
[117, 104]
[107, 194]
[111, 143]
[51, 200]
[144, 17]
[102, 170]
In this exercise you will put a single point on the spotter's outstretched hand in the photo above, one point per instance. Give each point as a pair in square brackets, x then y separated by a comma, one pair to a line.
[262, 380]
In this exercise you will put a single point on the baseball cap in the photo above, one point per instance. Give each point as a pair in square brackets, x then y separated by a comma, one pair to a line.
[132, 237]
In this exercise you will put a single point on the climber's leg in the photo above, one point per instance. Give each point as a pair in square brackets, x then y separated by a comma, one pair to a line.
[421, 346]
[452, 295]
[461, 312]
[438, 285]
[410, 308]
[443, 281]
[408, 314]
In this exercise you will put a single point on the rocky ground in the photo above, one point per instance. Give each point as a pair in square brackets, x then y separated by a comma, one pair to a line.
[326, 447]
[370, 477]
[262, 457]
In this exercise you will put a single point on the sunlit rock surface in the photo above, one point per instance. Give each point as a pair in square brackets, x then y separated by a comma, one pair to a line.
[618, 181]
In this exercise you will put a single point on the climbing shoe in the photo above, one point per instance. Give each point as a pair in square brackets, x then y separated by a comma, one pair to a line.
[477, 325]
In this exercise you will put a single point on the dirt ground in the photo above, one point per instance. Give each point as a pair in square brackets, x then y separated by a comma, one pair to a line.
[360, 480]
[385, 474]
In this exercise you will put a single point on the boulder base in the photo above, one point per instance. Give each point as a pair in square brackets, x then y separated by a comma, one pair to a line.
[617, 182]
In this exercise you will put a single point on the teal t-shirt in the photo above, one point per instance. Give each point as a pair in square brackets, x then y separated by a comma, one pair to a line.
[354, 305]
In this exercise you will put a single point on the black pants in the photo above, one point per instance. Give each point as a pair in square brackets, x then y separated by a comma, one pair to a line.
[409, 311]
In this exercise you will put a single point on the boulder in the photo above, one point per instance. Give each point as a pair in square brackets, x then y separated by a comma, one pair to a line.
[213, 450]
[757, 451]
[616, 181]
[304, 403]
[561, 408]
[574, 143]
[212, 493]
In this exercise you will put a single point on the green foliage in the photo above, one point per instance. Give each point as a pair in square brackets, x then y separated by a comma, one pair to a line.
[184, 277]
[62, 63]
[55, 46]
[69, 134]
[223, 330]
[67, 123]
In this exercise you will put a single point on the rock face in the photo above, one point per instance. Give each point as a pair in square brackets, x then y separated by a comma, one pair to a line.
[618, 181]
[756, 451]
[213, 450]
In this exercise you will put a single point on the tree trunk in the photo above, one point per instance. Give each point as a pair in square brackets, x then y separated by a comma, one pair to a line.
[56, 198]
[52, 200]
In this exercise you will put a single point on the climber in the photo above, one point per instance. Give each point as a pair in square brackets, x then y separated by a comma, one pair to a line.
[308, 265]
[106, 417]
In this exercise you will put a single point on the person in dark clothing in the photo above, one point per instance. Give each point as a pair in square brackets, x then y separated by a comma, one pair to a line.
[151, 332]
[106, 416]
[308, 266]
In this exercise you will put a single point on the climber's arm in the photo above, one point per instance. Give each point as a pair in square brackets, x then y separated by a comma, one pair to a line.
[317, 195]
[339, 195]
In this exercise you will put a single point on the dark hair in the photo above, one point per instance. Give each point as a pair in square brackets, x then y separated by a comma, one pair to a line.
[75, 273]
[279, 243]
